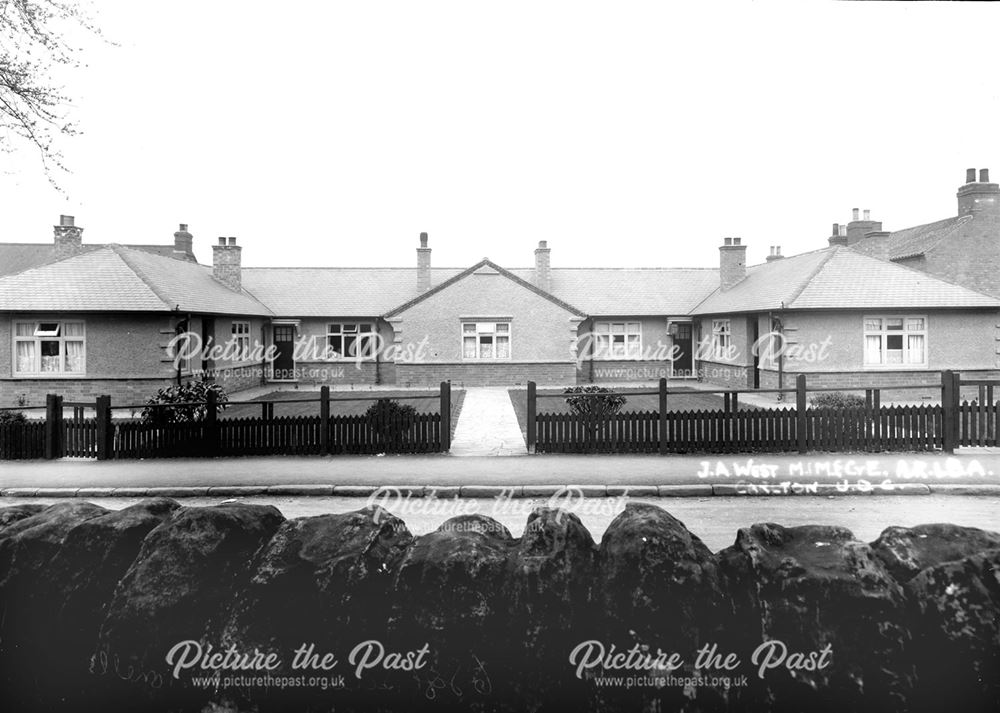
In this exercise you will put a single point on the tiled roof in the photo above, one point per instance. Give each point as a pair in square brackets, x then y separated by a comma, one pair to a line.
[336, 291]
[121, 279]
[911, 241]
[374, 291]
[632, 291]
[17, 257]
[838, 278]
[487, 266]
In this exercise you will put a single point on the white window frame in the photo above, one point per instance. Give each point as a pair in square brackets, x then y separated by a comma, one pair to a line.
[355, 330]
[241, 339]
[38, 336]
[606, 343]
[883, 332]
[493, 329]
[722, 338]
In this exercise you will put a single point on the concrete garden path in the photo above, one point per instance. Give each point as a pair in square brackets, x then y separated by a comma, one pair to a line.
[488, 425]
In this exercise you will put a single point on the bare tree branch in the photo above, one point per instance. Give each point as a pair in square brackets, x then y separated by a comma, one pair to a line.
[33, 107]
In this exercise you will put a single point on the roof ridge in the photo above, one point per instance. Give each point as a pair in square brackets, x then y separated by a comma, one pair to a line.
[833, 250]
[120, 251]
[503, 271]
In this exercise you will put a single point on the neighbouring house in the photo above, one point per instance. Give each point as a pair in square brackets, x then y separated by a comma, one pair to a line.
[85, 319]
[964, 248]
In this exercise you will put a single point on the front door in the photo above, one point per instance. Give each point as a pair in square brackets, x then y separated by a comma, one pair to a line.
[283, 368]
[682, 342]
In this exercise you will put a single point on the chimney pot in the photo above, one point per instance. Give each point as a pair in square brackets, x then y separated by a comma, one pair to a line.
[836, 230]
[543, 244]
[184, 226]
[423, 240]
[727, 241]
[66, 221]
[854, 214]
[984, 175]
[842, 230]
[868, 214]
[970, 175]
[222, 241]
[232, 241]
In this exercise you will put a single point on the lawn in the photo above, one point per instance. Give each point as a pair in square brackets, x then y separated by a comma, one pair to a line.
[346, 403]
[554, 401]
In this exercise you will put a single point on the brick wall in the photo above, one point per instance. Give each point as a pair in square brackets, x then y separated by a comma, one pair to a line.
[121, 391]
[332, 373]
[732, 376]
[859, 381]
[541, 331]
[493, 374]
[601, 371]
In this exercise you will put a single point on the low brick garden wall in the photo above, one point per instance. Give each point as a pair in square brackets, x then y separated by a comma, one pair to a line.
[137, 609]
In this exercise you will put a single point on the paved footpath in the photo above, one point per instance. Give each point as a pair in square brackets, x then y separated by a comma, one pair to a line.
[487, 425]
[969, 473]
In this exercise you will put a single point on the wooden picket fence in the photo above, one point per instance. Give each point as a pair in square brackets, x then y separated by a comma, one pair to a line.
[871, 427]
[890, 428]
[102, 437]
[281, 435]
[21, 441]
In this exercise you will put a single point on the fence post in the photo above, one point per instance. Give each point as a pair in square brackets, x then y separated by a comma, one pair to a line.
[53, 426]
[211, 424]
[663, 416]
[445, 416]
[324, 420]
[800, 411]
[532, 425]
[105, 434]
[949, 410]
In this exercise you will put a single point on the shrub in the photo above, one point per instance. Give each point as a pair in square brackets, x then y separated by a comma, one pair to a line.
[607, 404]
[390, 418]
[195, 392]
[12, 417]
[837, 399]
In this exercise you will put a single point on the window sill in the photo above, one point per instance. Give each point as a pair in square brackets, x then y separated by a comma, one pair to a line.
[48, 375]
[896, 367]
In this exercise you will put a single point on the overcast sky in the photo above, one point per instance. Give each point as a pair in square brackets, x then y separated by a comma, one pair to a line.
[625, 133]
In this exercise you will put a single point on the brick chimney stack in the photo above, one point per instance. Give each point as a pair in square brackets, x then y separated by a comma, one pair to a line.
[837, 236]
[226, 263]
[775, 254]
[423, 265]
[980, 196]
[859, 227]
[732, 262]
[68, 237]
[543, 266]
[184, 241]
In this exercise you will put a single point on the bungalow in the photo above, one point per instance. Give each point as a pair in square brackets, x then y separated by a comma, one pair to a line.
[84, 320]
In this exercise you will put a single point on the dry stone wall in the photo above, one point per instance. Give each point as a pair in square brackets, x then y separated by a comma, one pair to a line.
[139, 608]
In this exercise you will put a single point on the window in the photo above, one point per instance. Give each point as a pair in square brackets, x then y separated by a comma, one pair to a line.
[485, 340]
[895, 341]
[722, 338]
[44, 348]
[617, 340]
[241, 339]
[350, 340]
